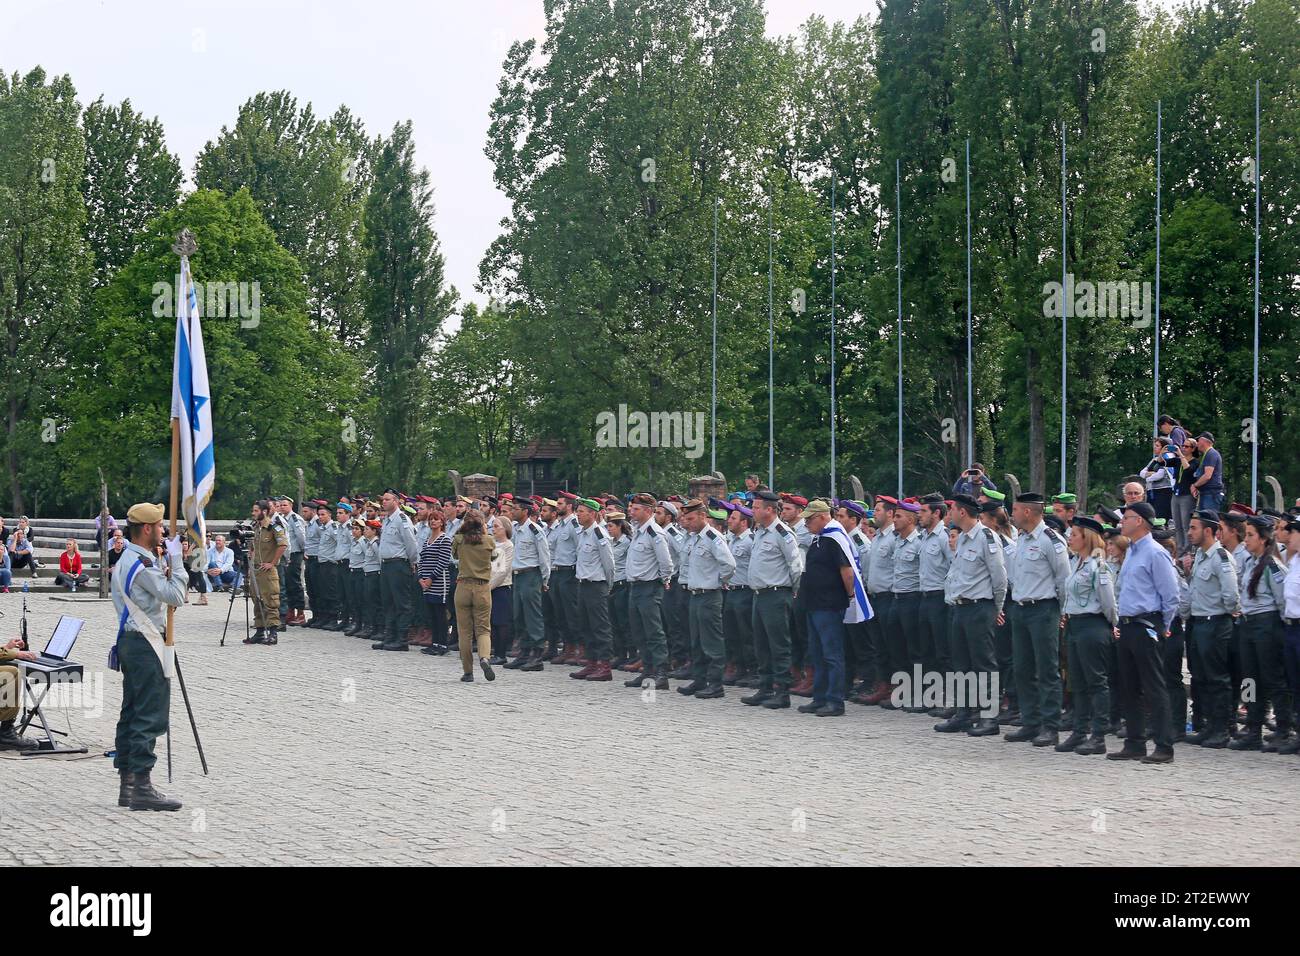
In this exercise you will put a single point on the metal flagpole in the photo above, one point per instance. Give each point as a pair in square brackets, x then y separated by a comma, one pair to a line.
[1254, 409]
[1065, 308]
[898, 266]
[1155, 411]
[771, 413]
[970, 365]
[832, 334]
[713, 410]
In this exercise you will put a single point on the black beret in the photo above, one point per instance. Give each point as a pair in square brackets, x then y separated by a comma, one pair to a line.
[1092, 524]
[1055, 523]
[966, 501]
[1030, 498]
[1163, 534]
[1207, 517]
[764, 494]
[1142, 510]
[1260, 522]
[1110, 514]
[991, 506]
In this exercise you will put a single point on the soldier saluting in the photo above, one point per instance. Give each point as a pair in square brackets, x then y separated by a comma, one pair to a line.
[142, 589]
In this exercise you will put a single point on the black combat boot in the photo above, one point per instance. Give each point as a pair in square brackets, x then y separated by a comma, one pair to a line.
[124, 787]
[145, 797]
[259, 637]
[9, 739]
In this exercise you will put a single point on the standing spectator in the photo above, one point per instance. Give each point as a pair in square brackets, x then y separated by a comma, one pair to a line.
[1189, 459]
[21, 553]
[973, 482]
[1172, 430]
[4, 532]
[435, 563]
[1158, 473]
[70, 567]
[1208, 486]
[502, 596]
[6, 571]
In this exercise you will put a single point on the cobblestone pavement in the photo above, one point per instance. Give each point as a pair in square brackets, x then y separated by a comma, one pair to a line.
[324, 751]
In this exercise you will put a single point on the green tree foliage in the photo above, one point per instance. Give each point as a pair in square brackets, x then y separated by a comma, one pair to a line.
[44, 265]
[278, 389]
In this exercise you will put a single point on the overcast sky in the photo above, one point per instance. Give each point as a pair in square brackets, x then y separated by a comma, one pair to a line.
[192, 63]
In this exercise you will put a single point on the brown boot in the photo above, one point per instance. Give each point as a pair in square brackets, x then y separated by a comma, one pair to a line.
[586, 672]
[880, 691]
[602, 671]
[804, 687]
[634, 667]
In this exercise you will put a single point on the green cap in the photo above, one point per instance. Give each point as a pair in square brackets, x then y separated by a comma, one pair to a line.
[1065, 499]
[994, 495]
[718, 514]
[589, 503]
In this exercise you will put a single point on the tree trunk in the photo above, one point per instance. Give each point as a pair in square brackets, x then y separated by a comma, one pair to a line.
[1037, 448]
[1083, 427]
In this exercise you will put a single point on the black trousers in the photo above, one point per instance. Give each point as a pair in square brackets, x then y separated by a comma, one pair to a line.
[878, 633]
[311, 568]
[395, 584]
[1142, 684]
[293, 582]
[903, 613]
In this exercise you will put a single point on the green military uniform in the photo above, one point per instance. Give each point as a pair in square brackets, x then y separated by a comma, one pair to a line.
[268, 538]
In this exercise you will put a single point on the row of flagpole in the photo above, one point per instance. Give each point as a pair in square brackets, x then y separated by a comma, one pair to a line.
[970, 371]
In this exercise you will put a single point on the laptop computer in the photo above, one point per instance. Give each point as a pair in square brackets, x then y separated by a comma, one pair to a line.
[60, 643]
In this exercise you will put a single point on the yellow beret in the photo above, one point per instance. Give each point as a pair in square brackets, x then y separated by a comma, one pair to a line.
[145, 513]
[549, 502]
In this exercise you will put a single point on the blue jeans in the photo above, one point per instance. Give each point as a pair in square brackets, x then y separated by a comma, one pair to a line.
[826, 648]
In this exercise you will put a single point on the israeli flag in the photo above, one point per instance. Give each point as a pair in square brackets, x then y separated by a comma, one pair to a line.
[859, 609]
[192, 406]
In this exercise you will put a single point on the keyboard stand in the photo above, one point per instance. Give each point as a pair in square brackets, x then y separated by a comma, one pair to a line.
[33, 709]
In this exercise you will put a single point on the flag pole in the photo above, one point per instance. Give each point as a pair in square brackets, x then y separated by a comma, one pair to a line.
[1065, 309]
[833, 492]
[898, 268]
[184, 247]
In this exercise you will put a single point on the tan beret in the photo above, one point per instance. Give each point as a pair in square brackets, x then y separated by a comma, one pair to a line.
[145, 513]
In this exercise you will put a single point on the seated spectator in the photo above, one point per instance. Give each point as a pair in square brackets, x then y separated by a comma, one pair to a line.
[116, 548]
[194, 562]
[4, 532]
[973, 481]
[221, 571]
[6, 571]
[21, 553]
[70, 567]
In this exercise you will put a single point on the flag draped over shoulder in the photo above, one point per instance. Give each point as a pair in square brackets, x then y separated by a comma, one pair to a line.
[859, 610]
[192, 406]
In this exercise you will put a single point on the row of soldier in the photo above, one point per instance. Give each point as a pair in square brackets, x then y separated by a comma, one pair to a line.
[1030, 616]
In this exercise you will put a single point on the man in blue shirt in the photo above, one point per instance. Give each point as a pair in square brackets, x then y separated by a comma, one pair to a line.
[1208, 486]
[973, 481]
[1148, 601]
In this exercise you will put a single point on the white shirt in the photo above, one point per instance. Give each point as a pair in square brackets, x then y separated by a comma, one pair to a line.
[1292, 588]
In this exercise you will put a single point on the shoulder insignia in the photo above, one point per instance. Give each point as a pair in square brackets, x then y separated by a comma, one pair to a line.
[711, 533]
[147, 562]
[653, 528]
[599, 532]
[782, 529]
[1224, 556]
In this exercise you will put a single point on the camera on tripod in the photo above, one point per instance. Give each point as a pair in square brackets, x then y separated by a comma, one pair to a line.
[240, 534]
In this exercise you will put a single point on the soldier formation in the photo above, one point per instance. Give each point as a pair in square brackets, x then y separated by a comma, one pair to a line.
[978, 611]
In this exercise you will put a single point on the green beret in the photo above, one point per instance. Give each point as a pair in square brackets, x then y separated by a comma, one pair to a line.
[994, 495]
[1066, 499]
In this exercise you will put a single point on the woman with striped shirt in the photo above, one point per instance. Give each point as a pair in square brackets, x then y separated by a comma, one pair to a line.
[435, 580]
